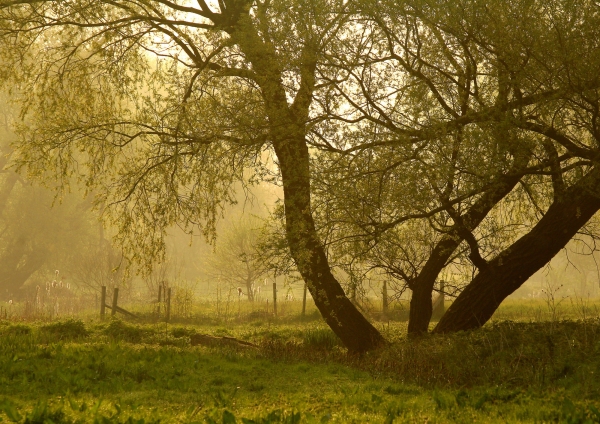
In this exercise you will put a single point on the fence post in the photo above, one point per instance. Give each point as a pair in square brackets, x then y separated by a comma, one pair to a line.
[103, 303]
[169, 304]
[114, 304]
[160, 287]
[275, 298]
[304, 301]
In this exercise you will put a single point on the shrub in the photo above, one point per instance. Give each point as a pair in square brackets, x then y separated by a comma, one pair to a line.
[119, 330]
[16, 330]
[65, 330]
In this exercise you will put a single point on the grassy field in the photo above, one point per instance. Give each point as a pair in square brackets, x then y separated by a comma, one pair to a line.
[114, 371]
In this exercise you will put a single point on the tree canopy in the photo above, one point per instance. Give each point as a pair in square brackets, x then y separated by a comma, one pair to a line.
[411, 135]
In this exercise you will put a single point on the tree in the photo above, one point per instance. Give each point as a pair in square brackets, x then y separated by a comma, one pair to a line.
[236, 259]
[570, 124]
[469, 74]
[163, 105]
[438, 146]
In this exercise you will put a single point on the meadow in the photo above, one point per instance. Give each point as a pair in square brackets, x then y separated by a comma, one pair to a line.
[533, 363]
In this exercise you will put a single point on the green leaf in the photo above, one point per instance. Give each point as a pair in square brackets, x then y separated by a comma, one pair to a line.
[228, 417]
[10, 410]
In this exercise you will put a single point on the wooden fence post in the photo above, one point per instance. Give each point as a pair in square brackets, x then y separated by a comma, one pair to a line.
[114, 304]
[103, 303]
[160, 287]
[275, 298]
[168, 304]
[304, 301]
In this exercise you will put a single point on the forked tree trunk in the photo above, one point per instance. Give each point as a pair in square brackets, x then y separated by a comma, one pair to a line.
[422, 287]
[511, 268]
[287, 130]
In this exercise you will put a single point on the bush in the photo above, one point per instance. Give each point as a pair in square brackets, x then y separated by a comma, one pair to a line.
[16, 330]
[119, 330]
[321, 339]
[65, 330]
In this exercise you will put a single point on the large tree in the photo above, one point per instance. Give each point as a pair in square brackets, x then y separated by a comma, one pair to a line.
[162, 105]
[433, 150]
[462, 102]
[567, 60]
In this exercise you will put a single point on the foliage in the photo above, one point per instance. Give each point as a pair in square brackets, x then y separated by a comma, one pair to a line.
[66, 330]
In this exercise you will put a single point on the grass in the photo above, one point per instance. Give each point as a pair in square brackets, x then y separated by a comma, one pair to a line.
[533, 368]
[114, 371]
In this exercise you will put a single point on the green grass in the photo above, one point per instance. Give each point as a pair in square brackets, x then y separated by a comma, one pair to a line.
[539, 310]
[121, 372]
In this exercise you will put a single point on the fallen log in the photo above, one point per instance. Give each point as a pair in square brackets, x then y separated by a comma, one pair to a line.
[208, 340]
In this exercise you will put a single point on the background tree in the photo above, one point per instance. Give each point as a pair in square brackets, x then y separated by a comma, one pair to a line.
[235, 259]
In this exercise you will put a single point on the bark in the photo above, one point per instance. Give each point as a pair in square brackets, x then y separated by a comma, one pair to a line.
[287, 129]
[355, 331]
[512, 267]
[422, 287]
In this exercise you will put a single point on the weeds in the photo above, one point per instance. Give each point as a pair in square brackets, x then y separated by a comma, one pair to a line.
[119, 330]
[65, 330]
[320, 339]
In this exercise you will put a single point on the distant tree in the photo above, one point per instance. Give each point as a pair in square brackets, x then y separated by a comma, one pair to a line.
[40, 233]
[235, 260]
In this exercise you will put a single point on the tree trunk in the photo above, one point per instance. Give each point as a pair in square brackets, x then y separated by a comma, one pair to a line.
[422, 287]
[511, 268]
[384, 299]
[249, 289]
[355, 331]
[287, 131]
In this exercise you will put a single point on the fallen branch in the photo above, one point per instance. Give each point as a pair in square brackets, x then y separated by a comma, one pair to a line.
[208, 340]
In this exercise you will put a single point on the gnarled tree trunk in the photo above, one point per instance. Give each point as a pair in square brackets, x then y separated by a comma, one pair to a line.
[287, 130]
[511, 268]
[422, 286]
[355, 331]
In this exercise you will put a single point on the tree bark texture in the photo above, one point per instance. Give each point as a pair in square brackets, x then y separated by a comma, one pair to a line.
[512, 267]
[287, 128]
[422, 287]
[355, 331]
